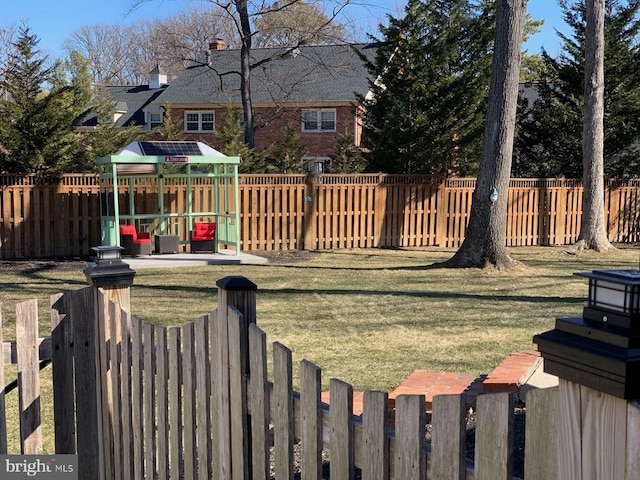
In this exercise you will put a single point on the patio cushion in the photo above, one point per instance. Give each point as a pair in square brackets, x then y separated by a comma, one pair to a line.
[203, 230]
[138, 237]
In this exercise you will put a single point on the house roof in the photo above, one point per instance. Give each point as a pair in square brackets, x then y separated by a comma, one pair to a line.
[309, 74]
[130, 103]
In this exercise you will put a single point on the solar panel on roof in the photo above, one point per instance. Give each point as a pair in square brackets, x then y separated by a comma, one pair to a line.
[170, 148]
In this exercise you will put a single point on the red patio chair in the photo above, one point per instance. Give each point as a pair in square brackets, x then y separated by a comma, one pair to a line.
[134, 243]
[203, 237]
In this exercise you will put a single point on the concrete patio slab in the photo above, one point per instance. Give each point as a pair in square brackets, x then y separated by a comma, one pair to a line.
[172, 260]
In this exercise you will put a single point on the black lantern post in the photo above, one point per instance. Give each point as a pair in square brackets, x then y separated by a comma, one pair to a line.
[600, 350]
[106, 267]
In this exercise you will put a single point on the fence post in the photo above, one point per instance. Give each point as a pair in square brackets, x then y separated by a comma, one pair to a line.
[110, 279]
[441, 212]
[380, 237]
[240, 293]
[309, 230]
[598, 372]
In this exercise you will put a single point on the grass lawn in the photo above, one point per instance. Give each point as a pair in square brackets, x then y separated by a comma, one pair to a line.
[369, 317]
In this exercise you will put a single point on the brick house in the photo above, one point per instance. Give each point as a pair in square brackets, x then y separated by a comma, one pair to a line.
[313, 88]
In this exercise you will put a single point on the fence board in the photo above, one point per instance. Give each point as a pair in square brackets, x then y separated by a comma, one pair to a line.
[259, 401]
[282, 412]
[62, 376]
[148, 394]
[102, 333]
[410, 455]
[237, 392]
[222, 388]
[115, 407]
[162, 395]
[541, 437]
[375, 424]
[175, 404]
[136, 397]
[448, 437]
[3, 413]
[126, 404]
[310, 420]
[202, 397]
[604, 434]
[569, 431]
[88, 422]
[494, 437]
[341, 439]
[189, 407]
[633, 440]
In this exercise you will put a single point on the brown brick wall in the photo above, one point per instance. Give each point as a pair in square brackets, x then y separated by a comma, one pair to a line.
[317, 144]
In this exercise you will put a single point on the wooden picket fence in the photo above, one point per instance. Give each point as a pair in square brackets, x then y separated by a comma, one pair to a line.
[315, 212]
[196, 402]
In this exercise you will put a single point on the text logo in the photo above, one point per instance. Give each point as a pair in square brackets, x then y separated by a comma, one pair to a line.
[50, 467]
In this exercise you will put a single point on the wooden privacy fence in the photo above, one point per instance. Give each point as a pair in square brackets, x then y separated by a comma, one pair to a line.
[279, 212]
[196, 402]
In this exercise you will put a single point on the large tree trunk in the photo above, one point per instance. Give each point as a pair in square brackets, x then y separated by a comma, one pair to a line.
[485, 237]
[593, 231]
[245, 72]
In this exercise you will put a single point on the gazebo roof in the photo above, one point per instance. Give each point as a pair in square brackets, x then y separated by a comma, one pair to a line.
[167, 152]
[169, 148]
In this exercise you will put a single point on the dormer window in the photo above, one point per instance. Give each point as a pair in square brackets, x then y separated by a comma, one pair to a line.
[319, 120]
[154, 120]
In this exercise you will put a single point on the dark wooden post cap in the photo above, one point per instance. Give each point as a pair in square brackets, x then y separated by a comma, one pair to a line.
[236, 282]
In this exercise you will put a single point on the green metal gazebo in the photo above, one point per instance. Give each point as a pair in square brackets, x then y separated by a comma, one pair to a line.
[163, 187]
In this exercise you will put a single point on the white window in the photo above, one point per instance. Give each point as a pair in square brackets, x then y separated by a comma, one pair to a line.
[199, 121]
[319, 120]
[154, 119]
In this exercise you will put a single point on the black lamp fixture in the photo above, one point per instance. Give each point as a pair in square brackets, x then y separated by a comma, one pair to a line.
[106, 267]
[614, 297]
[601, 349]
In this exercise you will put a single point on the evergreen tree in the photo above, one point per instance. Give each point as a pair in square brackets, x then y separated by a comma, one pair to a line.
[549, 141]
[108, 137]
[37, 127]
[288, 152]
[172, 128]
[230, 134]
[347, 158]
[431, 75]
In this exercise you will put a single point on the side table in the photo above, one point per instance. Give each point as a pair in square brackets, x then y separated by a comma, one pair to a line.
[166, 244]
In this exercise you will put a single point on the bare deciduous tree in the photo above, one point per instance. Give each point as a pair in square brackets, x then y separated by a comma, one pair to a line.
[124, 55]
[303, 23]
[104, 47]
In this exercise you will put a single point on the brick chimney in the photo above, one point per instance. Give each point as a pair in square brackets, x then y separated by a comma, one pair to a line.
[217, 44]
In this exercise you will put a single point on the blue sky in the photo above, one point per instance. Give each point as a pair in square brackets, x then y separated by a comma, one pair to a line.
[53, 22]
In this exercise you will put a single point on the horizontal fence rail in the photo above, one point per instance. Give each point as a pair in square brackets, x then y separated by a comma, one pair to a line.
[61, 218]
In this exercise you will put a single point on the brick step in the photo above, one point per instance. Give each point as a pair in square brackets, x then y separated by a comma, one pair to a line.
[508, 376]
[512, 372]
